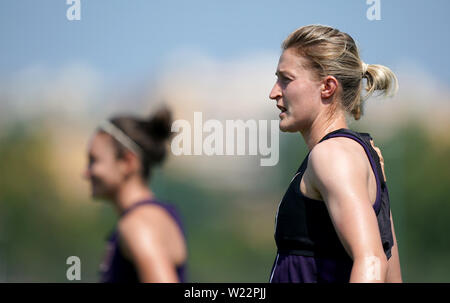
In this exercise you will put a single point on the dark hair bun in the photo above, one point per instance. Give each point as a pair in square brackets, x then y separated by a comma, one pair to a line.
[149, 134]
[159, 124]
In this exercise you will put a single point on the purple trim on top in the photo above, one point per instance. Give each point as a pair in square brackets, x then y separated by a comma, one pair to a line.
[149, 201]
[376, 205]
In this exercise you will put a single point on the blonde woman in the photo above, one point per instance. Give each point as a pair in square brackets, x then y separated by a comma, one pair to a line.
[334, 223]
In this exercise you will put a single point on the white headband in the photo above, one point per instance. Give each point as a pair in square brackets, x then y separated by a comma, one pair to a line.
[120, 136]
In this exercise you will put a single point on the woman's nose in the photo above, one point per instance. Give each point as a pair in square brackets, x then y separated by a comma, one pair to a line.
[275, 93]
[86, 174]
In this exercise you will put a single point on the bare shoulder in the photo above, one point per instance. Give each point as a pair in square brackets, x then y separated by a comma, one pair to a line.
[337, 147]
[146, 218]
[150, 227]
[335, 161]
[133, 227]
[143, 230]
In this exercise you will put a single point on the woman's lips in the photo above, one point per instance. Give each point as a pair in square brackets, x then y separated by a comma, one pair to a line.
[283, 109]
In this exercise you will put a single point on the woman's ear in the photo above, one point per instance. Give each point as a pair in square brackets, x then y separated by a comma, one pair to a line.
[129, 163]
[329, 87]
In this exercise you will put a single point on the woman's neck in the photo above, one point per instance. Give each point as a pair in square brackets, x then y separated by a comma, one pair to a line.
[130, 193]
[321, 127]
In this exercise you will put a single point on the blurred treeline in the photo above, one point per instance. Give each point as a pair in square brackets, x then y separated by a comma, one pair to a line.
[230, 232]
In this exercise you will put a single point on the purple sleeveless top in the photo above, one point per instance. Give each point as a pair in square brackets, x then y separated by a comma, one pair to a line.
[115, 268]
[309, 250]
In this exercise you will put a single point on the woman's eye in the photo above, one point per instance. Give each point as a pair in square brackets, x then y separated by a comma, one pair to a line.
[285, 80]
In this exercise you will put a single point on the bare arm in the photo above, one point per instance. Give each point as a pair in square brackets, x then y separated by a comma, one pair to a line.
[339, 173]
[394, 274]
[145, 248]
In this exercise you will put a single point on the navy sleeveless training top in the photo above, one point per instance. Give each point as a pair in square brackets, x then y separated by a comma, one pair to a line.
[115, 268]
[309, 249]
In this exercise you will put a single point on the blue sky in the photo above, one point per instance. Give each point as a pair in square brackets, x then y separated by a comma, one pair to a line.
[130, 38]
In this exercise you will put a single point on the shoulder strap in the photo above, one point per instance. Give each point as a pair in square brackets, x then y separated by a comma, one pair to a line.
[135, 205]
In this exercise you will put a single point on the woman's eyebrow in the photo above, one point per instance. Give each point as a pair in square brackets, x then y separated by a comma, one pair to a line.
[281, 73]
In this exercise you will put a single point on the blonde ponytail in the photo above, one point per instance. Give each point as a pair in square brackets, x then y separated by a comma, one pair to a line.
[380, 78]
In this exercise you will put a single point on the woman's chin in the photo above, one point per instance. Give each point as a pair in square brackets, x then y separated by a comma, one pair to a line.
[286, 127]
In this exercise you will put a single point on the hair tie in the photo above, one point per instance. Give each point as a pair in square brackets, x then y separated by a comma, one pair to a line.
[364, 68]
